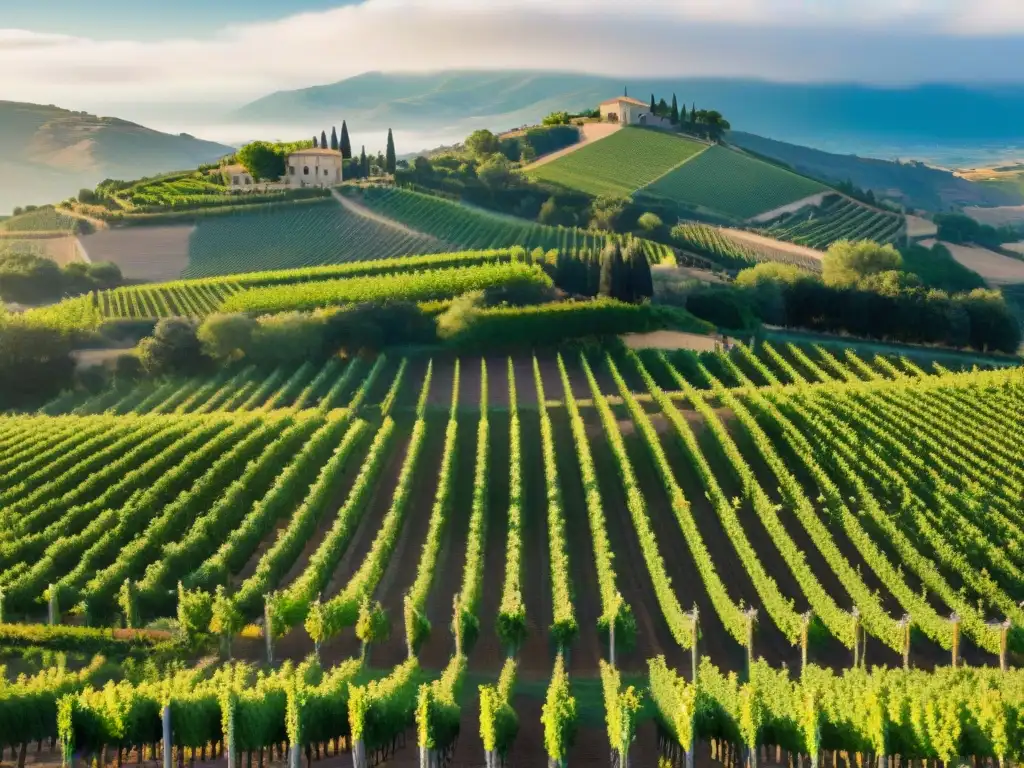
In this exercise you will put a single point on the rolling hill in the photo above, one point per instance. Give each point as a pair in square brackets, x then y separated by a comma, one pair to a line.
[48, 153]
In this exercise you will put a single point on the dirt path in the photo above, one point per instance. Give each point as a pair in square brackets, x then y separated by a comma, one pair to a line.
[451, 561]
[402, 568]
[762, 242]
[796, 205]
[588, 649]
[589, 133]
[361, 210]
[488, 655]
[671, 340]
[535, 657]
[634, 580]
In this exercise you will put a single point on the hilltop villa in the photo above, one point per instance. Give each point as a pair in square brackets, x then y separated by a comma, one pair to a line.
[304, 168]
[625, 110]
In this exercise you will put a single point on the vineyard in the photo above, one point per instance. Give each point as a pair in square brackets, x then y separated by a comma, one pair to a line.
[463, 227]
[295, 235]
[733, 252]
[732, 184]
[620, 164]
[838, 218]
[793, 507]
[43, 219]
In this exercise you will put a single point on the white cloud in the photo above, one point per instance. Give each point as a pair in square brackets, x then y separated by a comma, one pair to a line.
[888, 41]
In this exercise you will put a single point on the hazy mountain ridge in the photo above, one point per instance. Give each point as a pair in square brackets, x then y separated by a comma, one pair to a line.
[48, 153]
[916, 184]
[953, 114]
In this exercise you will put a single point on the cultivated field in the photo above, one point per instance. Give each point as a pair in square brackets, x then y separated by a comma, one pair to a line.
[737, 249]
[619, 165]
[62, 249]
[461, 226]
[298, 235]
[731, 183]
[840, 218]
[532, 494]
[149, 254]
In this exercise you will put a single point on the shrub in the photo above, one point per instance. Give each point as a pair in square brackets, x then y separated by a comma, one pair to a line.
[173, 348]
[35, 362]
[226, 336]
[26, 278]
[287, 338]
[847, 262]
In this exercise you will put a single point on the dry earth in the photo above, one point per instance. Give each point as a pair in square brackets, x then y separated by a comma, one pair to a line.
[671, 340]
[63, 249]
[993, 267]
[151, 254]
[1009, 215]
[919, 227]
[761, 242]
[789, 208]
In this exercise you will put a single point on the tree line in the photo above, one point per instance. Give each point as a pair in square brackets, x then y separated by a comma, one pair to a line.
[266, 160]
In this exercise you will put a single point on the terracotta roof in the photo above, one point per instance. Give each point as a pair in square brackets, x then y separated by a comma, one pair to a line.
[627, 100]
[316, 151]
[239, 168]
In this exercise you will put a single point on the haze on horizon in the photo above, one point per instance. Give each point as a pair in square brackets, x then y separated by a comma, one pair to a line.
[208, 58]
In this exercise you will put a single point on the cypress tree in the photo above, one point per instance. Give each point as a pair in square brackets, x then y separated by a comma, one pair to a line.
[682, 115]
[364, 163]
[323, 139]
[315, 145]
[641, 284]
[693, 112]
[653, 106]
[663, 107]
[334, 137]
[674, 116]
[390, 160]
[611, 271]
[345, 145]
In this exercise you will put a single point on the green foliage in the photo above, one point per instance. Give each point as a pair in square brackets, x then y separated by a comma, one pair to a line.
[837, 218]
[620, 164]
[958, 228]
[847, 263]
[559, 715]
[372, 626]
[226, 337]
[621, 707]
[263, 160]
[437, 711]
[734, 253]
[426, 286]
[35, 360]
[195, 613]
[730, 183]
[937, 268]
[173, 348]
[499, 724]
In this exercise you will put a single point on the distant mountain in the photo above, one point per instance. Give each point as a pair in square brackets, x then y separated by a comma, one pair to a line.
[48, 153]
[915, 184]
[875, 120]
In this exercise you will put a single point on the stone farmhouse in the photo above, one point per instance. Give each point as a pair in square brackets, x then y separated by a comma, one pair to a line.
[626, 110]
[303, 168]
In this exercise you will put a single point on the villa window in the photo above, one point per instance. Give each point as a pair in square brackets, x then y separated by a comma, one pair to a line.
[234, 180]
[305, 171]
[248, 180]
[325, 172]
[291, 170]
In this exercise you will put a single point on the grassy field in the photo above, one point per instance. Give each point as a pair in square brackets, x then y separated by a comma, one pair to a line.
[732, 184]
[619, 165]
[298, 235]
[44, 219]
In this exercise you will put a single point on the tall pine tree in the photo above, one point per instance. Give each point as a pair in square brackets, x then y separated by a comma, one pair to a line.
[323, 139]
[674, 116]
[390, 160]
[611, 271]
[653, 105]
[345, 145]
[334, 137]
[364, 163]
[315, 144]
[682, 115]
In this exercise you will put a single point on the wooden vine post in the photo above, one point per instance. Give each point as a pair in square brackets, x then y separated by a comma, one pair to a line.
[616, 607]
[905, 622]
[1002, 627]
[694, 653]
[268, 628]
[805, 630]
[54, 610]
[1, 606]
[409, 626]
[751, 615]
[954, 619]
[229, 737]
[855, 616]
[167, 736]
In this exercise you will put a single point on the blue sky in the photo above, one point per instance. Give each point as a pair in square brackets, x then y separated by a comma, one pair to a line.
[149, 19]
